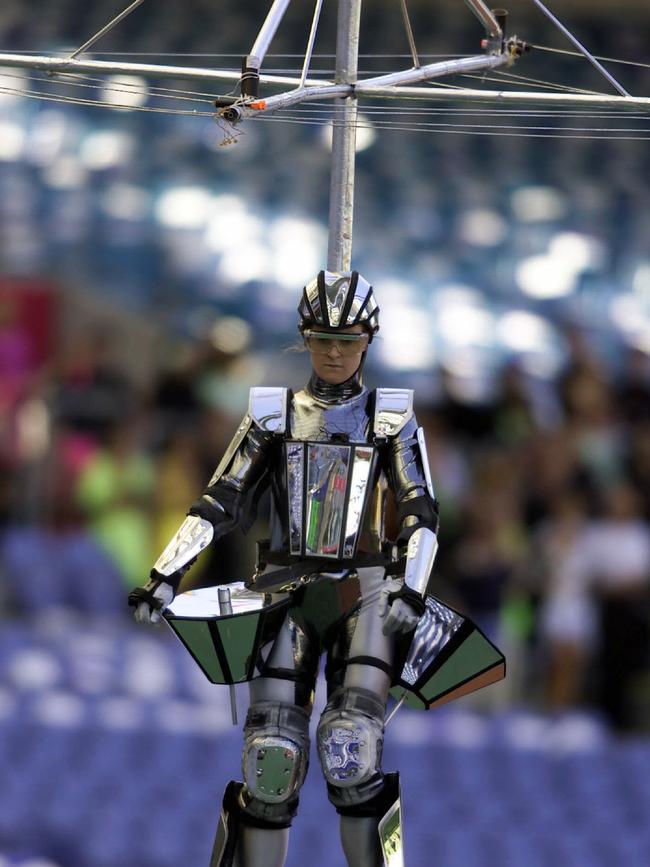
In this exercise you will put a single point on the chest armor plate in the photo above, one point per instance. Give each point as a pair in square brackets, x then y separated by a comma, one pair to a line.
[328, 486]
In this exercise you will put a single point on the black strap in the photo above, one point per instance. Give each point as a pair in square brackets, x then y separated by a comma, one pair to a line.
[315, 564]
[141, 594]
[423, 508]
[377, 806]
[173, 580]
[285, 673]
[410, 596]
[374, 661]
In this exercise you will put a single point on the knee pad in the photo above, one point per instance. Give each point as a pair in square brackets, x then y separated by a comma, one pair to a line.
[350, 742]
[275, 757]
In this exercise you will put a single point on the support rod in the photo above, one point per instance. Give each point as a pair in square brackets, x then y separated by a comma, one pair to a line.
[106, 28]
[486, 17]
[435, 70]
[409, 34]
[581, 48]
[53, 64]
[344, 134]
[267, 32]
[310, 42]
[370, 86]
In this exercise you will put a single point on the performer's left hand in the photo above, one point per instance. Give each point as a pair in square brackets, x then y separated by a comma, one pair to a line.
[398, 614]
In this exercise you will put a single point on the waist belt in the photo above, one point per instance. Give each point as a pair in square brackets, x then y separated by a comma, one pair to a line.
[294, 570]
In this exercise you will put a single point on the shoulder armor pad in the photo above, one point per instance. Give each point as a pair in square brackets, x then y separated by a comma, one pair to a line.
[393, 409]
[267, 408]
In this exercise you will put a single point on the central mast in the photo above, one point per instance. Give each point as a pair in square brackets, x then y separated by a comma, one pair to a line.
[344, 135]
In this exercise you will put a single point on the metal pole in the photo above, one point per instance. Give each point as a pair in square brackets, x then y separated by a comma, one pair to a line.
[225, 610]
[339, 251]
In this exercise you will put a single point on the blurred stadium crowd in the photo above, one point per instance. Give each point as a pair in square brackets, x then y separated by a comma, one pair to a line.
[545, 497]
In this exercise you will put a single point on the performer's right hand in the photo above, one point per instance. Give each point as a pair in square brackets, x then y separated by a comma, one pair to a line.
[151, 600]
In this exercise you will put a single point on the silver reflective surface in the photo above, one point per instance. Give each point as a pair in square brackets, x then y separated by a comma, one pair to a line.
[435, 628]
[393, 408]
[204, 603]
[336, 293]
[268, 407]
[425, 461]
[327, 478]
[192, 537]
[314, 300]
[358, 488]
[361, 292]
[295, 484]
[420, 554]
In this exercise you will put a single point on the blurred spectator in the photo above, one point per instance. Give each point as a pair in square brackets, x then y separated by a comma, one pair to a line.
[115, 491]
[567, 617]
[492, 542]
[91, 394]
[633, 388]
[616, 557]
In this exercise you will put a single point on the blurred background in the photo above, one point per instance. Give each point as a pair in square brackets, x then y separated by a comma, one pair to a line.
[150, 267]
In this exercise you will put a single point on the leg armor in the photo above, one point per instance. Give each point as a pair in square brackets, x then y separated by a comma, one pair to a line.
[371, 833]
[350, 742]
[274, 761]
[254, 823]
[241, 844]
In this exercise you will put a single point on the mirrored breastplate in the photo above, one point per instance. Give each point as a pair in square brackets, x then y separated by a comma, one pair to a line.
[328, 486]
[329, 475]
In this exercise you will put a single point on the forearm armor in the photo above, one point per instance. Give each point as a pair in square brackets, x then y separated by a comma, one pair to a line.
[420, 556]
[192, 537]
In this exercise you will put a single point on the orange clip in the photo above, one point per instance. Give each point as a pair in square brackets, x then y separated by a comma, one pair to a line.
[258, 105]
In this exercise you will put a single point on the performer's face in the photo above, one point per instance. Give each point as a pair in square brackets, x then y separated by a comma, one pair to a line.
[334, 360]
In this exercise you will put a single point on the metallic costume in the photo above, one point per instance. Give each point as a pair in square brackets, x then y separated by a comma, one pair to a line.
[331, 454]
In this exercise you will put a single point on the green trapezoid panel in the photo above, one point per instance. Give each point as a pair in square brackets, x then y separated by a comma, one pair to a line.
[474, 656]
[195, 634]
[238, 638]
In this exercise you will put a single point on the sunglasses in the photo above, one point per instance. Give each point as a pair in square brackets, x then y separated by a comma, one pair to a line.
[321, 342]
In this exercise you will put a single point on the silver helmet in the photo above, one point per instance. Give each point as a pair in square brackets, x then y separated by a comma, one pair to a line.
[338, 300]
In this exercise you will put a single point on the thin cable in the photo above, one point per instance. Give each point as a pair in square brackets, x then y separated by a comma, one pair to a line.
[106, 28]
[409, 34]
[436, 124]
[554, 85]
[35, 94]
[487, 112]
[562, 88]
[310, 42]
[465, 129]
[402, 128]
[68, 81]
[480, 126]
[581, 47]
[597, 56]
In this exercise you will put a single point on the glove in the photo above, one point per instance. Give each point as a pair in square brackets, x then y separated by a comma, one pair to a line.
[400, 607]
[151, 600]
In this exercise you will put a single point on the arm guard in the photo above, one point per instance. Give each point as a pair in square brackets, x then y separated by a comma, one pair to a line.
[193, 536]
[227, 500]
[411, 481]
[417, 507]
[420, 554]
[223, 504]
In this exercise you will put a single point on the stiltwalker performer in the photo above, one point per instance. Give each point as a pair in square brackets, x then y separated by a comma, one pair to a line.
[329, 453]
